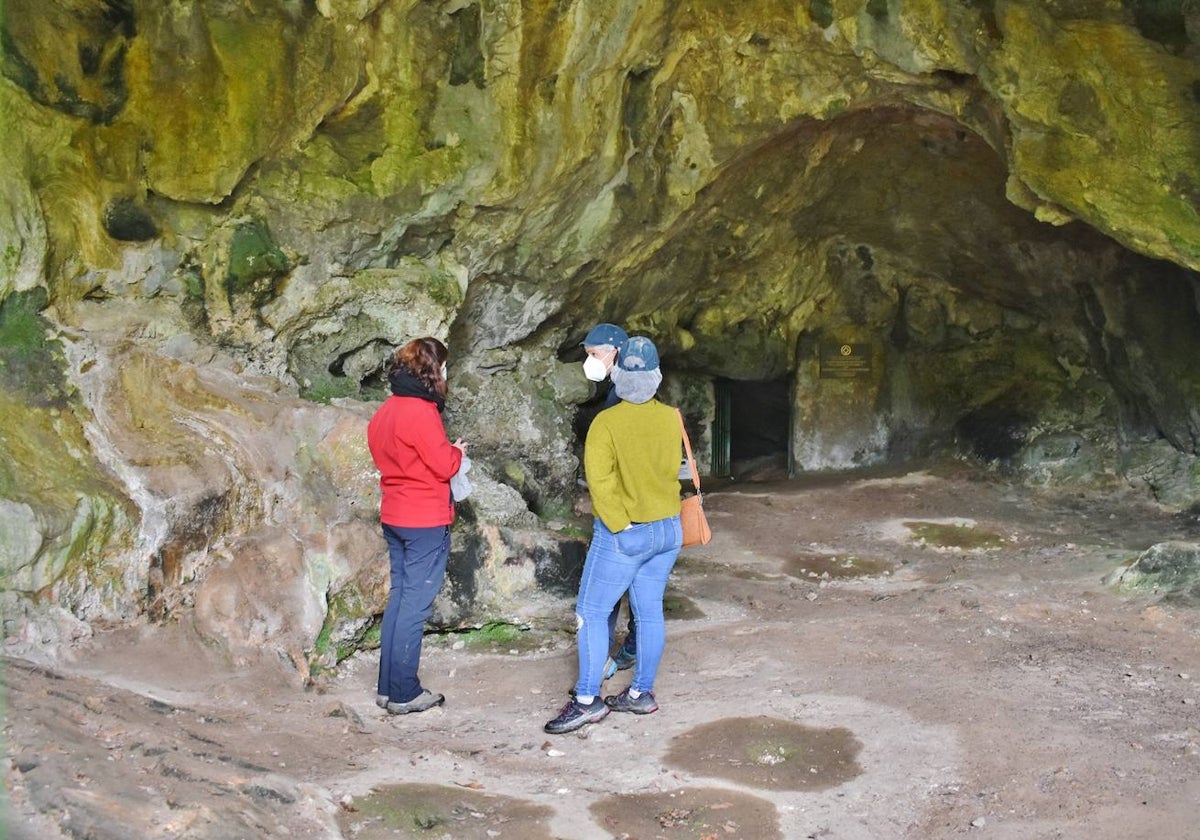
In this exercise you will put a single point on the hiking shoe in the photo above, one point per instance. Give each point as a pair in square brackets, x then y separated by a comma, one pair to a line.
[381, 700]
[575, 714]
[644, 704]
[425, 700]
[624, 659]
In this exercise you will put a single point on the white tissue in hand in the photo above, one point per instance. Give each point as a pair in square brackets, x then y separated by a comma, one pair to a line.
[460, 485]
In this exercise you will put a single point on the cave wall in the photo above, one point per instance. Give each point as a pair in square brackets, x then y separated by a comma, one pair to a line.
[218, 217]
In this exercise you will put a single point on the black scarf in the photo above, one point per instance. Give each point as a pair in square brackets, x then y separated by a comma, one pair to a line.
[404, 384]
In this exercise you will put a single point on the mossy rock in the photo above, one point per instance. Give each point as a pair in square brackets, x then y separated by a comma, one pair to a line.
[30, 363]
[255, 261]
[1168, 569]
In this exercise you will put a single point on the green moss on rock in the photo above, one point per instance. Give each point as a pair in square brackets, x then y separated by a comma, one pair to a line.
[254, 258]
[325, 390]
[75, 522]
[496, 634]
[822, 12]
[1170, 570]
[30, 364]
[349, 620]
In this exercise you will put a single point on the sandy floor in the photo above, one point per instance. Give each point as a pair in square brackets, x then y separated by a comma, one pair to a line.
[928, 655]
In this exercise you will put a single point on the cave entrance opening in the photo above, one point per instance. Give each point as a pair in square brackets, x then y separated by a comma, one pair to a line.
[751, 433]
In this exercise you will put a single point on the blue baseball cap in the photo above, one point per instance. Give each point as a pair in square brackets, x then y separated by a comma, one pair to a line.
[638, 355]
[609, 334]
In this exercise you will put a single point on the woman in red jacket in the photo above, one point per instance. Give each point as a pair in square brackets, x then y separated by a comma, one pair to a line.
[415, 461]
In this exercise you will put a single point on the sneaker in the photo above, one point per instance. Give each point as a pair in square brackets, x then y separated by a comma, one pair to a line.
[381, 700]
[425, 700]
[624, 659]
[575, 714]
[644, 704]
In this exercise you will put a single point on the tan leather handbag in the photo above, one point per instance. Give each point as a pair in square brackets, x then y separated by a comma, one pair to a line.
[691, 513]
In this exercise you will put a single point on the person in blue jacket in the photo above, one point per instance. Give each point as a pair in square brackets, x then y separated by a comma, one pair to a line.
[631, 458]
[603, 345]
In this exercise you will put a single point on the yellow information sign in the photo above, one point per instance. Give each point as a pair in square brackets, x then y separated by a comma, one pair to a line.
[845, 361]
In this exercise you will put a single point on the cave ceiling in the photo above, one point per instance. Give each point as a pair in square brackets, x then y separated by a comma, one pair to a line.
[788, 235]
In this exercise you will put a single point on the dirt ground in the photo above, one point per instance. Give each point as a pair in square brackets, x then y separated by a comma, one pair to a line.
[926, 655]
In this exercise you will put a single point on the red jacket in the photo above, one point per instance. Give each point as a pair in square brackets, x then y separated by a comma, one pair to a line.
[415, 462]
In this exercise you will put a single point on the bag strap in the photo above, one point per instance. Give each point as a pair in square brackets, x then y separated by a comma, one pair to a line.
[687, 447]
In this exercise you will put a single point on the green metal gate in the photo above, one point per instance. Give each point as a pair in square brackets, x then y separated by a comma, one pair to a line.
[721, 428]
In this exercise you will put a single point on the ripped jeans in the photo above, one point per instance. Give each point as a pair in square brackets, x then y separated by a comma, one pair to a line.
[638, 559]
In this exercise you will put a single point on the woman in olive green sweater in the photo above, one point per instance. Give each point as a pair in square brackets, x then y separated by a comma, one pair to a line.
[631, 460]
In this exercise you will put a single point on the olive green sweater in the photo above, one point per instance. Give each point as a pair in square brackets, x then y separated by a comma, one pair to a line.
[631, 460]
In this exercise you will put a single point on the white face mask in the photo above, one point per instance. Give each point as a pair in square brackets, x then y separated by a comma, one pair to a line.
[443, 372]
[594, 369]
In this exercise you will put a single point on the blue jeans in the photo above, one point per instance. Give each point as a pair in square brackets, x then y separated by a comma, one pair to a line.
[418, 558]
[630, 641]
[638, 559]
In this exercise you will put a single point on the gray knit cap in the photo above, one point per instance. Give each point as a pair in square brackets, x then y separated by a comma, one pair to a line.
[636, 376]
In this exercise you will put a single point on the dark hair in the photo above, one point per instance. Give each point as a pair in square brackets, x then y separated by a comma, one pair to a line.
[423, 358]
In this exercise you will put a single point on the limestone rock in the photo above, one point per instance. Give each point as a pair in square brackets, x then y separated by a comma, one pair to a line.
[1170, 570]
[227, 217]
